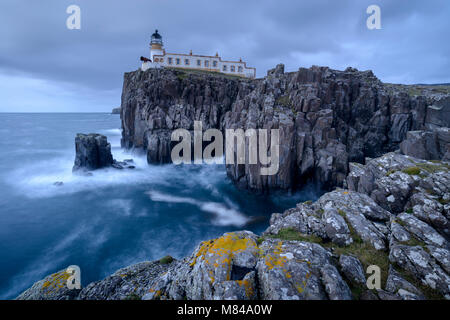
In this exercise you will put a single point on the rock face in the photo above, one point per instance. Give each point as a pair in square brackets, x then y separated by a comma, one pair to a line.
[429, 145]
[116, 110]
[93, 151]
[327, 118]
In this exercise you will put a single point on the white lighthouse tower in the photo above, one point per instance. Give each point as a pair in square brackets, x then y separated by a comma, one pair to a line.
[156, 46]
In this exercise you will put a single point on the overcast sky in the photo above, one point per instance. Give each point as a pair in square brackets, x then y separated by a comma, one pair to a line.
[45, 67]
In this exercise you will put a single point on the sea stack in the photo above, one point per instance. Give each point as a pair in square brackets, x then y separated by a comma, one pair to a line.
[93, 151]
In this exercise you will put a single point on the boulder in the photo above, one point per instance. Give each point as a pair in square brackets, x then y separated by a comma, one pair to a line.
[93, 151]
[352, 269]
[52, 287]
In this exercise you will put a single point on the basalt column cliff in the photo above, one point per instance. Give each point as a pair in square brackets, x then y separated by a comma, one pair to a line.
[327, 118]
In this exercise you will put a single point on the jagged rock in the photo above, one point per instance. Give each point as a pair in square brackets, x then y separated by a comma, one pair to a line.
[277, 71]
[352, 269]
[330, 217]
[301, 218]
[438, 113]
[361, 213]
[290, 270]
[421, 144]
[92, 152]
[384, 295]
[244, 289]
[326, 118]
[335, 287]
[398, 233]
[401, 183]
[397, 285]
[442, 256]
[336, 228]
[131, 282]
[369, 295]
[422, 230]
[52, 287]
[420, 264]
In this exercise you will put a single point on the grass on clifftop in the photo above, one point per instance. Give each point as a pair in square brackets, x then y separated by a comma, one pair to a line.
[428, 292]
[133, 296]
[182, 73]
[166, 260]
[290, 234]
[412, 171]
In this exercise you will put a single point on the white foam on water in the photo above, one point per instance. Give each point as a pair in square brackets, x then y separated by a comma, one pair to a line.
[223, 215]
[37, 180]
[115, 131]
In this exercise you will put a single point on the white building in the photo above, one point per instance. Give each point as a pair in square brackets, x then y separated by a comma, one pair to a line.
[160, 58]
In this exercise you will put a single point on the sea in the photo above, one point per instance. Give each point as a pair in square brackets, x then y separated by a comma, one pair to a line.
[113, 218]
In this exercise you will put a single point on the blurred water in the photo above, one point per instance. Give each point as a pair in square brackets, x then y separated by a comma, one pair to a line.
[113, 218]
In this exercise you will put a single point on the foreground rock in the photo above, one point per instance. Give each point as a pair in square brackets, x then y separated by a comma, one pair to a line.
[52, 287]
[394, 217]
[327, 118]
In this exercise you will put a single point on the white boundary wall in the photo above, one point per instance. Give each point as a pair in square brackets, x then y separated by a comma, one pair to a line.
[207, 63]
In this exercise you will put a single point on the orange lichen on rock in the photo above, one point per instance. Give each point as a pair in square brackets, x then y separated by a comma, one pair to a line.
[221, 251]
[276, 259]
[56, 281]
[248, 287]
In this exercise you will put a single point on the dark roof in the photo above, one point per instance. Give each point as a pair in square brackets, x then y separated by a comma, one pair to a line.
[156, 35]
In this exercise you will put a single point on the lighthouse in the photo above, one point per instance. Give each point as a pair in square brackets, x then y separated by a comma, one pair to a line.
[159, 58]
[156, 45]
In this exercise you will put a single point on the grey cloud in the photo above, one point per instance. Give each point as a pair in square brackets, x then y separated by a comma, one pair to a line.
[411, 47]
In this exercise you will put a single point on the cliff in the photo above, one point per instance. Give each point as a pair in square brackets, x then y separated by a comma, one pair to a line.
[327, 118]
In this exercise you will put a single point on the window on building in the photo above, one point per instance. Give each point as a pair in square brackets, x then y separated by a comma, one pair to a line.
[170, 60]
[240, 69]
[199, 62]
[224, 68]
[186, 62]
[215, 64]
[232, 68]
[206, 63]
[178, 60]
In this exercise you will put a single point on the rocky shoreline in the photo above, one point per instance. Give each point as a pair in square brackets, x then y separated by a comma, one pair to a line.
[317, 250]
[381, 151]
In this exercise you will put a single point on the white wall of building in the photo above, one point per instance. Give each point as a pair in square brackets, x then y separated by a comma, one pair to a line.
[208, 63]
